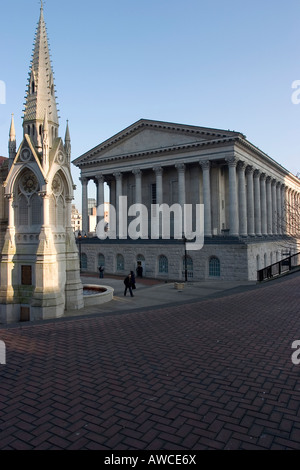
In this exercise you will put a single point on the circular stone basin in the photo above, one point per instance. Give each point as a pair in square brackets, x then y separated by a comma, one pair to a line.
[96, 295]
[89, 290]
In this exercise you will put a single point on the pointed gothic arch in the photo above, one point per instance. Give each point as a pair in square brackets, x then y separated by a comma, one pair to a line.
[28, 203]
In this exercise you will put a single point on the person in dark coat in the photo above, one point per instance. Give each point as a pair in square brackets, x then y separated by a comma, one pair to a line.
[139, 270]
[128, 285]
[133, 280]
[101, 271]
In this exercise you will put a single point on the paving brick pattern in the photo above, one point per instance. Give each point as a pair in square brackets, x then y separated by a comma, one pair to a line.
[214, 374]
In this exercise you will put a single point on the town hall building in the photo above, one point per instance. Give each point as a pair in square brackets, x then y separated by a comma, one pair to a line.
[250, 202]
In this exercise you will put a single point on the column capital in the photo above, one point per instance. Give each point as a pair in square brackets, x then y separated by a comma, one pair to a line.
[137, 171]
[278, 184]
[273, 182]
[231, 160]
[241, 165]
[118, 175]
[263, 176]
[99, 178]
[249, 170]
[84, 180]
[69, 199]
[180, 166]
[256, 173]
[268, 179]
[205, 164]
[158, 170]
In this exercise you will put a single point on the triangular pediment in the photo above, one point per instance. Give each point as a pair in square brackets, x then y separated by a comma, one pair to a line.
[57, 153]
[151, 136]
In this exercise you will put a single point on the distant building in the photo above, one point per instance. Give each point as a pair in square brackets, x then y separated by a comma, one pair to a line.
[76, 219]
[93, 219]
[91, 205]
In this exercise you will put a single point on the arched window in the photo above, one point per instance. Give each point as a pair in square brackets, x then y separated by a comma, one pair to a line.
[83, 261]
[60, 211]
[189, 266]
[163, 264]
[23, 210]
[214, 267]
[140, 258]
[36, 210]
[120, 262]
[101, 260]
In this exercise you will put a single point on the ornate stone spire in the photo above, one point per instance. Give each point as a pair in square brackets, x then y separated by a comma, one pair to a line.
[68, 142]
[12, 142]
[41, 91]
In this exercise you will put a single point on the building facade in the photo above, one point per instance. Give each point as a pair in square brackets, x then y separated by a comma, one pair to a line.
[76, 220]
[39, 259]
[249, 201]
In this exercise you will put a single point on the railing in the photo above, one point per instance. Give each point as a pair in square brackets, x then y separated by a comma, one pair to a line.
[281, 267]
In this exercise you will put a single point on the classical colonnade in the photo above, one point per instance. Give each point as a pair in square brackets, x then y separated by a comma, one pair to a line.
[259, 204]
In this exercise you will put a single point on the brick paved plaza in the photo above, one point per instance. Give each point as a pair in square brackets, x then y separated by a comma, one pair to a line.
[213, 374]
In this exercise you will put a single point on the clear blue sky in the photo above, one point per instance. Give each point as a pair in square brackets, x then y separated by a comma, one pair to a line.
[223, 64]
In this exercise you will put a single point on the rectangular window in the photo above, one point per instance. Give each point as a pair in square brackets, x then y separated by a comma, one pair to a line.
[26, 275]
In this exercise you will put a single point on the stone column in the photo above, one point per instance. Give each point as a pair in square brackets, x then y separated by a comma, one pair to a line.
[257, 208]
[181, 189]
[293, 211]
[85, 216]
[242, 199]
[138, 185]
[119, 214]
[274, 207]
[100, 189]
[263, 203]
[69, 201]
[250, 201]
[206, 197]
[283, 212]
[269, 206]
[279, 212]
[181, 183]
[233, 202]
[11, 210]
[159, 184]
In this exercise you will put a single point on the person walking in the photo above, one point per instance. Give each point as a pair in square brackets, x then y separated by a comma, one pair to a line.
[128, 285]
[101, 271]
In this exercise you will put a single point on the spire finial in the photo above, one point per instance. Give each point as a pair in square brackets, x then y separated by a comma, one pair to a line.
[12, 132]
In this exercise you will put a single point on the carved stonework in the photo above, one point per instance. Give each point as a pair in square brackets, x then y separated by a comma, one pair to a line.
[57, 185]
[205, 164]
[29, 183]
[25, 155]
